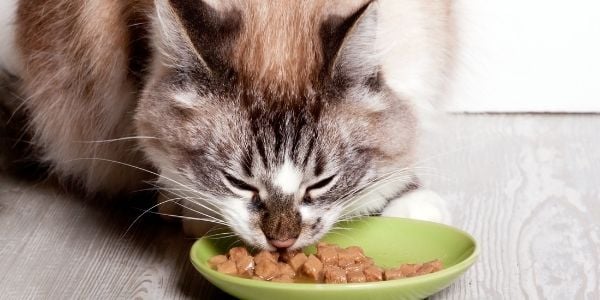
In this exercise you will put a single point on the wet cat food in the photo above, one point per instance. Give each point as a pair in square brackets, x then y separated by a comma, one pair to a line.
[313, 268]
[331, 264]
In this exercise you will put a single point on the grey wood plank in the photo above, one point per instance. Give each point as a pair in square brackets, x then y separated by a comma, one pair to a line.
[525, 186]
[58, 246]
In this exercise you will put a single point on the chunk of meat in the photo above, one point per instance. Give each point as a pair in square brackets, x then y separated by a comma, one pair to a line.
[355, 267]
[425, 269]
[323, 245]
[298, 261]
[356, 277]
[313, 268]
[409, 270]
[227, 267]
[346, 258]
[265, 255]
[328, 255]
[334, 274]
[393, 273]
[217, 260]
[365, 261]
[266, 269]
[276, 255]
[373, 273]
[331, 264]
[353, 253]
[287, 255]
[285, 269]
[435, 264]
[245, 266]
[237, 252]
[356, 251]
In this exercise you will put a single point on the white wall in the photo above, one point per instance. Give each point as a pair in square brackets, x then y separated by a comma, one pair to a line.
[528, 55]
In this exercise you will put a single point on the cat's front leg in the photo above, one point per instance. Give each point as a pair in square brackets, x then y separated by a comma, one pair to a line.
[422, 204]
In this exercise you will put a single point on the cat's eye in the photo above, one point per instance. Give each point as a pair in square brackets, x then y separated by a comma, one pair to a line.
[320, 184]
[240, 184]
[308, 197]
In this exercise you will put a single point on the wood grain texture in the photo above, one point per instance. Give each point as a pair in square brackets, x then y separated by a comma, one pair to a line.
[527, 187]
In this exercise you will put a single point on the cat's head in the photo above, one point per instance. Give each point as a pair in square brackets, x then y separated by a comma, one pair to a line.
[275, 114]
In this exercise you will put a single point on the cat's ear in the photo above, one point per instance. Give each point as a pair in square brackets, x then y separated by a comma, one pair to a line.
[349, 48]
[192, 31]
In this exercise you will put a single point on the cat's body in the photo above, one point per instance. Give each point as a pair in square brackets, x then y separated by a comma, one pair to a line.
[276, 109]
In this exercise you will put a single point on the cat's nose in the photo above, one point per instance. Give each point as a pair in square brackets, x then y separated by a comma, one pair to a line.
[282, 243]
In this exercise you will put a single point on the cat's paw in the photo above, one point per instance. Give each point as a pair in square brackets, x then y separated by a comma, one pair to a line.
[421, 204]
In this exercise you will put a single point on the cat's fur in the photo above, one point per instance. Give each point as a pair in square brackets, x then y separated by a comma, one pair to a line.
[274, 117]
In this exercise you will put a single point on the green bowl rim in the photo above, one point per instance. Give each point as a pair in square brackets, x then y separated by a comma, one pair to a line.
[457, 268]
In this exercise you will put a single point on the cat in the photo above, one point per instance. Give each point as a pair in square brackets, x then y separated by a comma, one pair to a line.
[274, 118]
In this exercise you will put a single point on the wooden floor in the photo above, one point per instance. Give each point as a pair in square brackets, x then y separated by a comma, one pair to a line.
[526, 186]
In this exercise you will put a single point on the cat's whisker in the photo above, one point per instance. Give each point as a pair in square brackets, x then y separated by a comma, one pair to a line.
[221, 237]
[196, 195]
[192, 200]
[362, 196]
[218, 234]
[127, 138]
[340, 228]
[202, 214]
[154, 173]
[156, 205]
[368, 183]
[144, 213]
[212, 218]
[355, 218]
[204, 195]
[215, 228]
[369, 188]
[146, 190]
[204, 190]
[129, 165]
[254, 249]
[360, 217]
[354, 240]
[185, 217]
[191, 209]
[190, 189]
[237, 241]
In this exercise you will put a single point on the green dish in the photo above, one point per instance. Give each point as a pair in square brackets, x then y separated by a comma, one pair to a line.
[389, 241]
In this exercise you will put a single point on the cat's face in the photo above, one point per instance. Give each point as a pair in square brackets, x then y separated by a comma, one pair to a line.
[279, 165]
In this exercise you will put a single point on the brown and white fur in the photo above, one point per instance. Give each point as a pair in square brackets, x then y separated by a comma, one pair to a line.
[275, 118]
